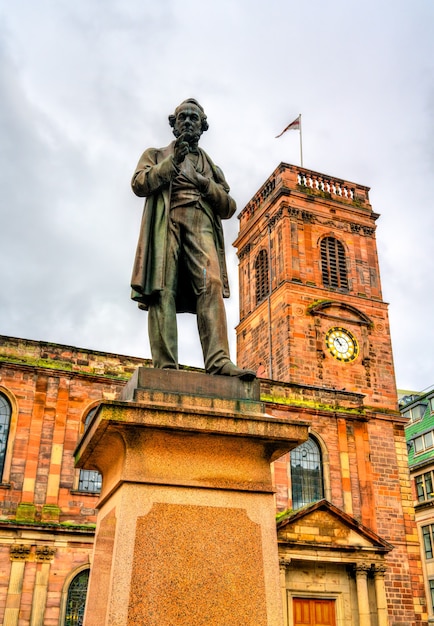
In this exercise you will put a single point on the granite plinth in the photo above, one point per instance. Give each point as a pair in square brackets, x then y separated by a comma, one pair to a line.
[186, 526]
[189, 382]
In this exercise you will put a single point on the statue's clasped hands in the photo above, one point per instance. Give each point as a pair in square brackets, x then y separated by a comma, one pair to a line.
[182, 148]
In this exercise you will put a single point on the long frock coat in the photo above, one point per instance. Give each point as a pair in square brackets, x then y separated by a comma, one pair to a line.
[152, 179]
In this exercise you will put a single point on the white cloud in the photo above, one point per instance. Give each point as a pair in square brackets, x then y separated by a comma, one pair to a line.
[87, 87]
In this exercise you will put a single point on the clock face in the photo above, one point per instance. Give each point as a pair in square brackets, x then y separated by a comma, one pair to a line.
[342, 344]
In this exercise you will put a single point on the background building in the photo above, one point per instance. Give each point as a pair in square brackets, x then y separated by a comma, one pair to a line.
[418, 409]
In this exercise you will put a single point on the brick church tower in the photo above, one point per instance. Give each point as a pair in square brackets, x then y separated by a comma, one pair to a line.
[314, 326]
[311, 306]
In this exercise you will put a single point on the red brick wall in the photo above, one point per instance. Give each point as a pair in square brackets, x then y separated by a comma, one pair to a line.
[52, 387]
[51, 410]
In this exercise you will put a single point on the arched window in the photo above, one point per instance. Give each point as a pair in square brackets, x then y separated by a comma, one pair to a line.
[89, 480]
[262, 280]
[306, 474]
[5, 421]
[76, 599]
[333, 264]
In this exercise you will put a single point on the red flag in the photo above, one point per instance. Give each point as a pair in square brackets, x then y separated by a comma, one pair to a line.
[295, 125]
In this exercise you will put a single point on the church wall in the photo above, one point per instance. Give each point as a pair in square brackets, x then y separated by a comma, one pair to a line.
[46, 524]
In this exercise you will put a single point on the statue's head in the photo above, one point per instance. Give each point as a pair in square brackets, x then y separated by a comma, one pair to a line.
[190, 117]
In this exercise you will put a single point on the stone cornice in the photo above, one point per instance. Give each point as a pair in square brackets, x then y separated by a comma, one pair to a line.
[37, 527]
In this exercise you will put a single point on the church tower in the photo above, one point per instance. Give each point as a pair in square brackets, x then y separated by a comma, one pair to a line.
[311, 307]
[314, 326]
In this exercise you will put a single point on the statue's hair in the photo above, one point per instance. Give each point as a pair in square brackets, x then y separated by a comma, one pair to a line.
[172, 118]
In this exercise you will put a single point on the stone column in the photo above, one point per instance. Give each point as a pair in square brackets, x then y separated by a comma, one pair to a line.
[186, 530]
[380, 592]
[362, 570]
[19, 554]
[44, 557]
[284, 563]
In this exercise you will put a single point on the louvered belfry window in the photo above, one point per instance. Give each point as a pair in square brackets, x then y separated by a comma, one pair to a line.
[262, 281]
[333, 264]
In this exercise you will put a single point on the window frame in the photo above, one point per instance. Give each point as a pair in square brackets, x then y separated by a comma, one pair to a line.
[422, 481]
[420, 442]
[431, 590]
[314, 492]
[85, 476]
[66, 587]
[13, 424]
[427, 540]
[88, 477]
[5, 425]
[416, 412]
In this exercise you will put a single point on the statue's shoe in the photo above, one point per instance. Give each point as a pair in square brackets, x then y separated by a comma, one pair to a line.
[230, 369]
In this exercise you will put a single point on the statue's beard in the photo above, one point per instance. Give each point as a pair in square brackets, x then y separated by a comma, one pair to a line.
[191, 138]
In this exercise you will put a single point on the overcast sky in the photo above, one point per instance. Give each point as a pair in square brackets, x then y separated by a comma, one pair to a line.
[86, 86]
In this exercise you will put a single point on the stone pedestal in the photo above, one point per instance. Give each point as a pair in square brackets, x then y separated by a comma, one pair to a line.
[186, 530]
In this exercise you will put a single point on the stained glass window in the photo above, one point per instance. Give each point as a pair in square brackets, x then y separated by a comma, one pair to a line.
[306, 474]
[5, 420]
[76, 599]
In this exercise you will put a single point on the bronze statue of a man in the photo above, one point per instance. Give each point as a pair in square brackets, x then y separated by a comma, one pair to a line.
[180, 261]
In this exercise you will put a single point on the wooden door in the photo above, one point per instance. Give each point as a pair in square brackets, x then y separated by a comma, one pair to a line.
[314, 612]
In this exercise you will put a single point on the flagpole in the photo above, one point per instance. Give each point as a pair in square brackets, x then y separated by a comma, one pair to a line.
[301, 144]
[295, 125]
